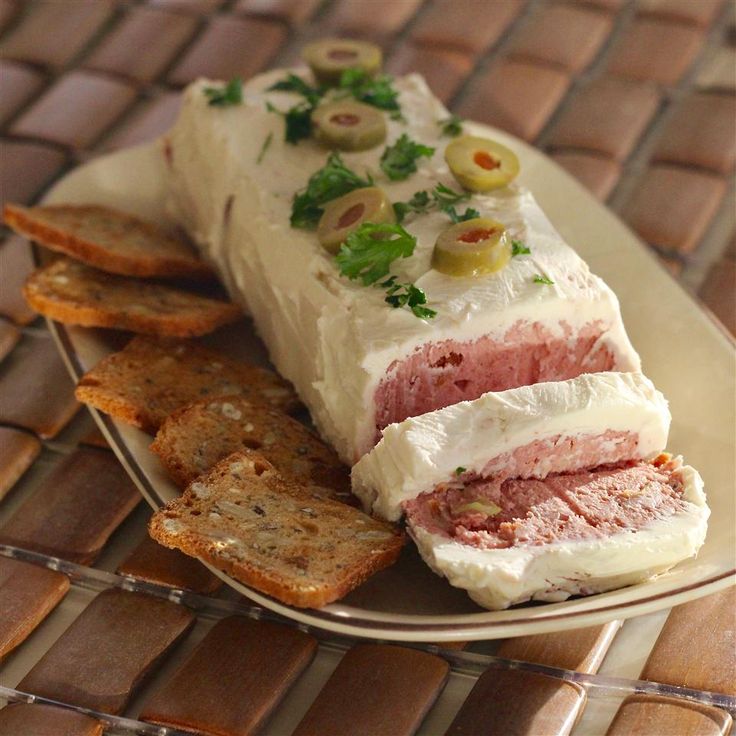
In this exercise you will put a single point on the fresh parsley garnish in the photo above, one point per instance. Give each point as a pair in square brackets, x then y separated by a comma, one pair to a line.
[298, 118]
[298, 121]
[400, 160]
[519, 249]
[407, 295]
[369, 251]
[459, 470]
[540, 279]
[452, 126]
[419, 203]
[296, 84]
[377, 91]
[443, 198]
[330, 182]
[264, 147]
[230, 94]
[469, 214]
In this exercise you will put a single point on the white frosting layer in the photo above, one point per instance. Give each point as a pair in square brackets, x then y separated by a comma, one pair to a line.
[553, 572]
[417, 454]
[333, 338]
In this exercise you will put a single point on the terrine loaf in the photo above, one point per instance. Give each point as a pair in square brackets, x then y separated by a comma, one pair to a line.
[358, 362]
[541, 492]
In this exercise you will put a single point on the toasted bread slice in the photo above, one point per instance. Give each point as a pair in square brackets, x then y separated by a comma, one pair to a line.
[278, 537]
[197, 436]
[70, 292]
[150, 378]
[107, 239]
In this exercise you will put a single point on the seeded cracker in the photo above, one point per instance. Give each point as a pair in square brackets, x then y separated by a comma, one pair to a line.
[199, 435]
[72, 293]
[107, 239]
[152, 377]
[277, 537]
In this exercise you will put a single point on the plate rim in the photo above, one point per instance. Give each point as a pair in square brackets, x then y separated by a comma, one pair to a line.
[400, 629]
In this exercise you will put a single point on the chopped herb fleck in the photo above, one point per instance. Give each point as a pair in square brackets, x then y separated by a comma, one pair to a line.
[407, 295]
[264, 147]
[399, 161]
[469, 214]
[452, 126]
[459, 470]
[519, 249]
[298, 120]
[419, 203]
[330, 182]
[441, 197]
[376, 91]
[445, 196]
[369, 251]
[539, 279]
[296, 84]
[230, 94]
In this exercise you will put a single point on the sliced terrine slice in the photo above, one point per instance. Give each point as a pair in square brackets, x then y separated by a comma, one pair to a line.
[527, 432]
[589, 531]
[357, 363]
[541, 492]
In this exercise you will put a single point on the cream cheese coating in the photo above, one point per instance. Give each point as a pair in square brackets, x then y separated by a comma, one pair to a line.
[332, 338]
[500, 578]
[417, 454]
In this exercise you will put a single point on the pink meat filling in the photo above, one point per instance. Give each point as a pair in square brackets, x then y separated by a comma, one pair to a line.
[578, 506]
[445, 373]
[559, 454]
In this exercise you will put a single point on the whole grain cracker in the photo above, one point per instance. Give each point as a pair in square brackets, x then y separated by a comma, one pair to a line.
[110, 240]
[152, 377]
[196, 437]
[282, 539]
[70, 292]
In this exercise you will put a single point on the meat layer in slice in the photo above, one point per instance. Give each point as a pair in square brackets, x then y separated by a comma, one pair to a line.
[358, 363]
[514, 540]
[528, 432]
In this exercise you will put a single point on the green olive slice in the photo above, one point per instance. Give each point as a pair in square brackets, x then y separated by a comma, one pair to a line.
[329, 58]
[349, 125]
[480, 164]
[472, 248]
[347, 213]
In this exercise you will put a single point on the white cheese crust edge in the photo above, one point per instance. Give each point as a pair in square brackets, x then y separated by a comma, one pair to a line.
[500, 578]
[417, 454]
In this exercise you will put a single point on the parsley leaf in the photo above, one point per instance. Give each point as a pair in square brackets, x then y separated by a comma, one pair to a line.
[459, 470]
[230, 94]
[407, 295]
[445, 196]
[330, 182]
[419, 203]
[377, 91]
[296, 84]
[519, 249]
[399, 161]
[442, 197]
[369, 251]
[264, 147]
[452, 126]
[542, 279]
[469, 214]
[298, 120]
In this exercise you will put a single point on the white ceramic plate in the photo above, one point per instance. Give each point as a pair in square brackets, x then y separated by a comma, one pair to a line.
[686, 354]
